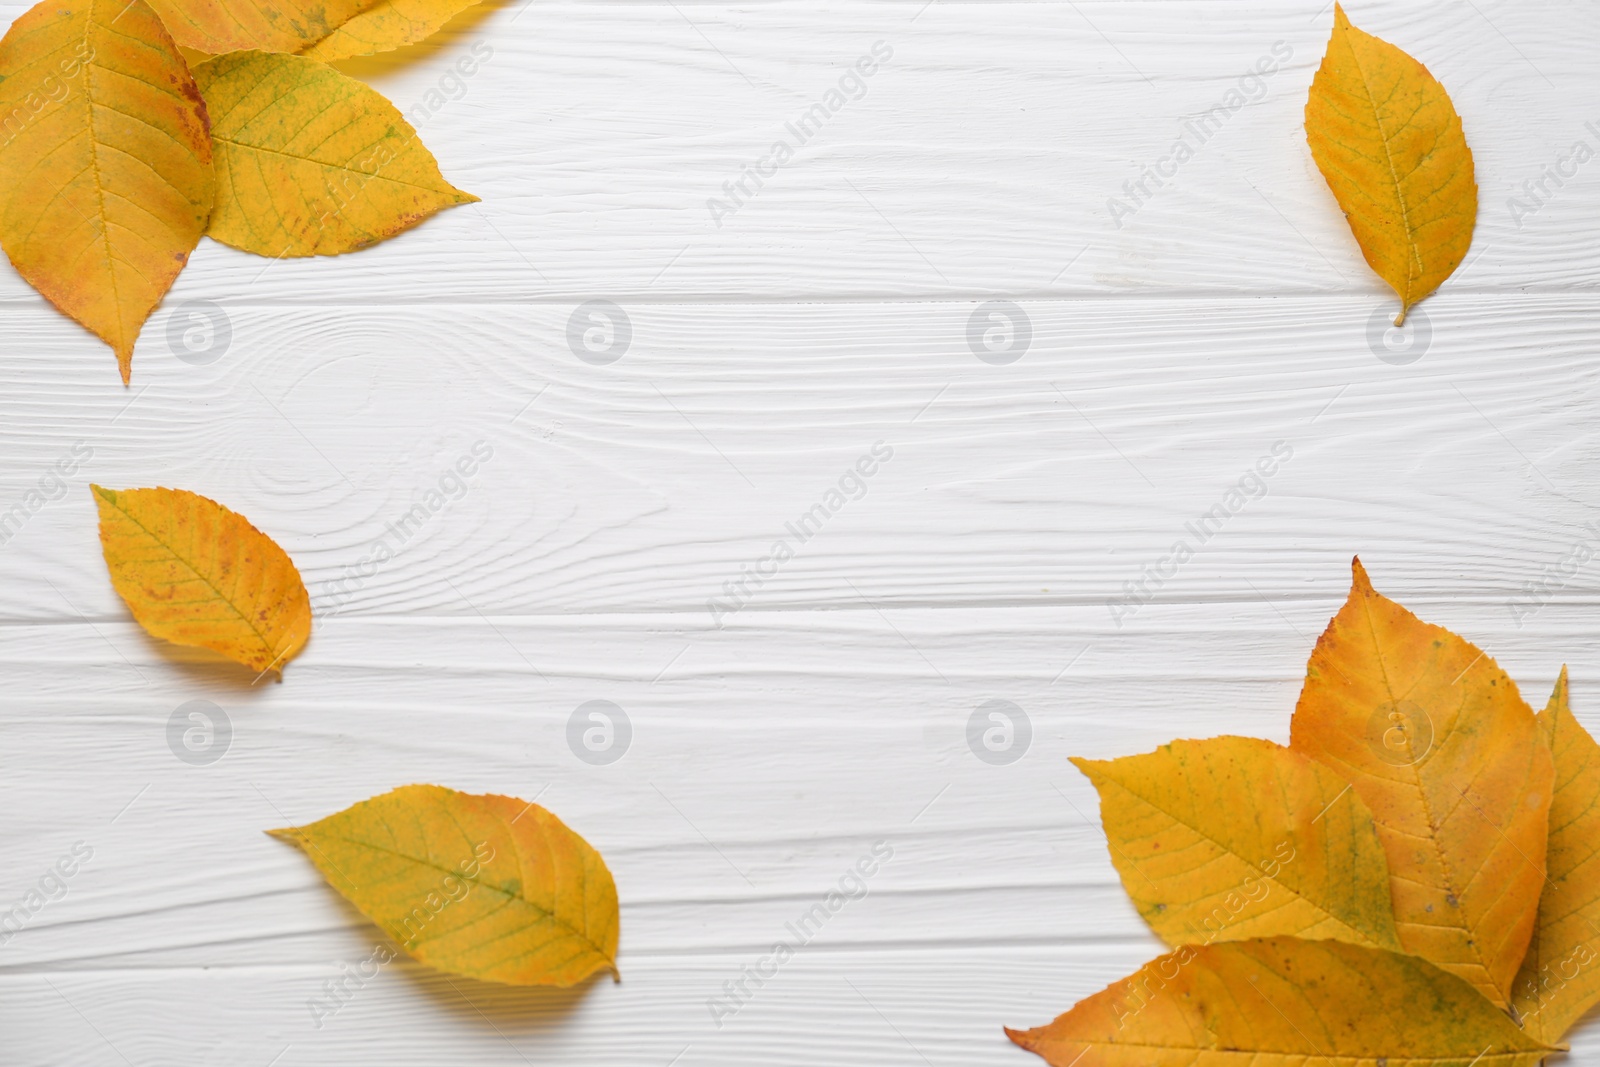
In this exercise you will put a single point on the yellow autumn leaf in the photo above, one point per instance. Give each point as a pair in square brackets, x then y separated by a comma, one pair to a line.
[217, 26]
[1560, 977]
[1434, 737]
[487, 886]
[1235, 838]
[310, 161]
[194, 573]
[1284, 1002]
[1388, 140]
[104, 161]
[385, 26]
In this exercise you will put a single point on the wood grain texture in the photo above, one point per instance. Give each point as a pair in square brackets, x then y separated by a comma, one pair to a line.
[773, 745]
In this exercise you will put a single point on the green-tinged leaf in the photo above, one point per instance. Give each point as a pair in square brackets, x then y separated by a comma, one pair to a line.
[489, 886]
[310, 161]
[1234, 838]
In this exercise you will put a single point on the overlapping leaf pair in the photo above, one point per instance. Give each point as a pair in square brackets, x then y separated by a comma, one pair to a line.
[115, 156]
[1414, 879]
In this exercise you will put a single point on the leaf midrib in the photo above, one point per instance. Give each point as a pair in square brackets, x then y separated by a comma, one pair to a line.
[1394, 174]
[552, 916]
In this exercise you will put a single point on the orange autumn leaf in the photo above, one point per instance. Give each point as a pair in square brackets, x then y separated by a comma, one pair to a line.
[490, 886]
[1436, 740]
[1234, 838]
[1560, 977]
[1389, 143]
[217, 26]
[194, 573]
[105, 162]
[1284, 1002]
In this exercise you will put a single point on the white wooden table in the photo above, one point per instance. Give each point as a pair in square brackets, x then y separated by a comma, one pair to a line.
[1034, 470]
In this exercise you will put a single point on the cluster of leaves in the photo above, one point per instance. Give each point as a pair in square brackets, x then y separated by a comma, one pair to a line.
[487, 886]
[1389, 143]
[116, 155]
[1413, 880]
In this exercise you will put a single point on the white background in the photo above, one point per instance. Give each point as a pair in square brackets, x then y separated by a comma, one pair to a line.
[830, 312]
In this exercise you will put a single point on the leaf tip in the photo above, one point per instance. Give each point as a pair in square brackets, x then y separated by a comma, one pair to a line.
[1084, 764]
[1359, 582]
[1558, 696]
[1020, 1038]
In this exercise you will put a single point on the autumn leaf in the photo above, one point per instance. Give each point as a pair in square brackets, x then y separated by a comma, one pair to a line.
[1434, 737]
[1560, 976]
[310, 161]
[1388, 140]
[217, 26]
[1236, 838]
[385, 26]
[1284, 1002]
[194, 573]
[104, 161]
[488, 886]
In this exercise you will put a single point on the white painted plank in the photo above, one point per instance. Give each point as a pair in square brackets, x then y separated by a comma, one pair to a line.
[649, 483]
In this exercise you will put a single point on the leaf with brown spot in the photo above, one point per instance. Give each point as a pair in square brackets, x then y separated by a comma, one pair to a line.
[1435, 738]
[194, 573]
